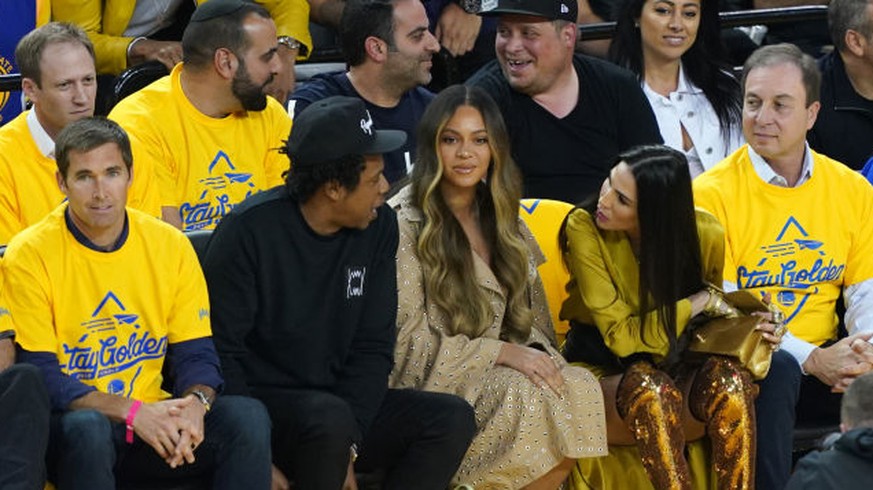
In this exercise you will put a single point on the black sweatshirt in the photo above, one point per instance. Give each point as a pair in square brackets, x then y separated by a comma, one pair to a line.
[291, 308]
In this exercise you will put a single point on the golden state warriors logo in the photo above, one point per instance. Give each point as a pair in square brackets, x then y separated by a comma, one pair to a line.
[796, 263]
[113, 348]
[221, 190]
[5, 69]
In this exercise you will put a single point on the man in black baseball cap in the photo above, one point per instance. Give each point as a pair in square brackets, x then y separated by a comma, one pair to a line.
[547, 9]
[303, 292]
[568, 115]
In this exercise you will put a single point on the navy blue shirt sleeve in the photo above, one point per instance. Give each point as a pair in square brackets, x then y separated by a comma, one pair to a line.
[194, 362]
[62, 388]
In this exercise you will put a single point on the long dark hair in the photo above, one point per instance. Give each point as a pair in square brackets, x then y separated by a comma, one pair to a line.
[669, 257]
[703, 62]
[443, 247]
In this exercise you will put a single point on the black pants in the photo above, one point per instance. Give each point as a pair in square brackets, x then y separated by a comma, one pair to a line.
[417, 439]
[787, 399]
[24, 428]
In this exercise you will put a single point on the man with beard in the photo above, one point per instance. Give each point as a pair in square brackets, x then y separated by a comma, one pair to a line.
[388, 48]
[208, 128]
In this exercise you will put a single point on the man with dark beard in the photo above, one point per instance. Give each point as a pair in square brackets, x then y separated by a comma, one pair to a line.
[208, 128]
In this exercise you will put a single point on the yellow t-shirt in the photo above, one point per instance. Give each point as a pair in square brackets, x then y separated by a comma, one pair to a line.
[800, 244]
[205, 165]
[107, 316]
[29, 186]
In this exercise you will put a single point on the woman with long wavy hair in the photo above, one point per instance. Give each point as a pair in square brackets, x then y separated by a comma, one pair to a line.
[639, 255]
[472, 317]
[674, 47]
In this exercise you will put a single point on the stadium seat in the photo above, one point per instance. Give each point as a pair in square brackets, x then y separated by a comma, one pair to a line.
[544, 218]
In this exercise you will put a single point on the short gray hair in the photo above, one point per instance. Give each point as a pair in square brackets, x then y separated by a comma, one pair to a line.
[848, 14]
[778, 54]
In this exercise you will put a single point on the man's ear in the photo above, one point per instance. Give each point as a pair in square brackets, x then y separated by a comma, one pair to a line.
[334, 190]
[29, 87]
[376, 48]
[225, 63]
[856, 43]
[568, 35]
[812, 114]
[62, 185]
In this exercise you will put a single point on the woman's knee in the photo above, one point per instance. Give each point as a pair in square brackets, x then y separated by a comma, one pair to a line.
[723, 386]
[642, 383]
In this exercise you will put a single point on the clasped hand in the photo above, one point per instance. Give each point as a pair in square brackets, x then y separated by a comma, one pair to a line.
[840, 363]
[174, 428]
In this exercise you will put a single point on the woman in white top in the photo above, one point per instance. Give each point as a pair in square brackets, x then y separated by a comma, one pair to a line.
[675, 49]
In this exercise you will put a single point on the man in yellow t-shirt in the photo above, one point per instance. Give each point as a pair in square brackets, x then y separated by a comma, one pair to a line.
[57, 69]
[208, 127]
[799, 228]
[104, 297]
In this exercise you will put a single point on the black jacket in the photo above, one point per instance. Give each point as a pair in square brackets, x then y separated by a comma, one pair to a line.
[848, 466]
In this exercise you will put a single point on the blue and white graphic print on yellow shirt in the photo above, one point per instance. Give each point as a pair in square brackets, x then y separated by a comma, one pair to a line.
[205, 165]
[108, 317]
[800, 244]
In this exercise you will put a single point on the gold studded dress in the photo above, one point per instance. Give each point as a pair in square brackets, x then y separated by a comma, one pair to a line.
[523, 431]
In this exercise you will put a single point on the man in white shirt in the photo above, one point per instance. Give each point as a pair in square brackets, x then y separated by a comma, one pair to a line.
[58, 76]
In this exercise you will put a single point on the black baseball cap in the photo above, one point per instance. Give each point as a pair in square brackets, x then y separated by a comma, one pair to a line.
[549, 9]
[336, 127]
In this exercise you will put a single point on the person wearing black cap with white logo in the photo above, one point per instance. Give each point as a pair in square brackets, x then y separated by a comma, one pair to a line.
[303, 290]
[568, 115]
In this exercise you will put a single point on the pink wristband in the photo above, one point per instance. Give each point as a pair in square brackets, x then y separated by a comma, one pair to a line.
[128, 421]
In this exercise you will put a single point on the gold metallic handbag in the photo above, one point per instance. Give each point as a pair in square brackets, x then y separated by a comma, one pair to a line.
[735, 335]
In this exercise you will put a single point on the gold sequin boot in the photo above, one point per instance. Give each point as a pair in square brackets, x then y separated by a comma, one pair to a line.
[723, 398]
[651, 405]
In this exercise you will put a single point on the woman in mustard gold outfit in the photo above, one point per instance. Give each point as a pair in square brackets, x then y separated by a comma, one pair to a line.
[639, 256]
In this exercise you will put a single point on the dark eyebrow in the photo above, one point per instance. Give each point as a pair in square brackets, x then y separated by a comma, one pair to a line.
[269, 54]
[617, 191]
[417, 31]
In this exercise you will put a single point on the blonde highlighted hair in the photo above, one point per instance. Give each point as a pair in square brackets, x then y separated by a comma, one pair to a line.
[443, 248]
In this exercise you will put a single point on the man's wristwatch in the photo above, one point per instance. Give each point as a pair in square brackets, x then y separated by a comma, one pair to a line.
[203, 398]
[7, 334]
[292, 44]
